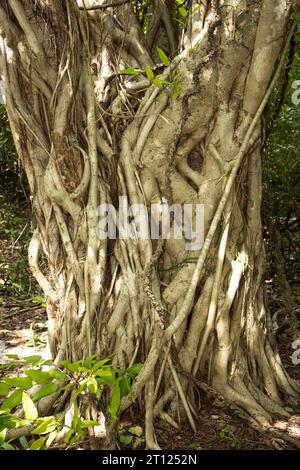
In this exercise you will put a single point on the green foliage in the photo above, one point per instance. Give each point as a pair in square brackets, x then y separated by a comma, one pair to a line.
[15, 228]
[228, 432]
[183, 12]
[92, 377]
[31, 413]
[10, 172]
[14, 220]
[130, 71]
[281, 169]
[165, 60]
[173, 86]
[132, 437]
[39, 300]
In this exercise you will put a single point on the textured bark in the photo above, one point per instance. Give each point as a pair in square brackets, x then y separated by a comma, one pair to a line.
[86, 134]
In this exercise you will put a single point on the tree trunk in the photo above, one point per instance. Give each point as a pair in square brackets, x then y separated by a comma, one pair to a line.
[88, 135]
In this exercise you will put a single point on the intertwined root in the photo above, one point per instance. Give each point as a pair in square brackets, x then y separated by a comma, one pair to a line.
[85, 137]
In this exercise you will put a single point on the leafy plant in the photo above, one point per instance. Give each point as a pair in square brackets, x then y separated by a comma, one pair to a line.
[228, 432]
[173, 85]
[132, 437]
[91, 377]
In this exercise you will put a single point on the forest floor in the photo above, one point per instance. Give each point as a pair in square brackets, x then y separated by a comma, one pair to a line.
[23, 332]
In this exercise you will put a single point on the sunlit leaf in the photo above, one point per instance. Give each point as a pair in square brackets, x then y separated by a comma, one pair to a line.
[129, 71]
[34, 360]
[182, 11]
[88, 423]
[2, 436]
[157, 83]
[136, 431]
[51, 438]
[163, 57]
[46, 425]
[30, 410]
[21, 382]
[4, 388]
[149, 73]
[38, 376]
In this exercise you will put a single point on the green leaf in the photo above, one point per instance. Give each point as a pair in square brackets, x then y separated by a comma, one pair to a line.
[125, 386]
[4, 388]
[179, 74]
[87, 423]
[8, 446]
[72, 366]
[176, 91]
[129, 71]
[135, 369]
[100, 364]
[11, 422]
[38, 444]
[21, 382]
[39, 299]
[92, 386]
[89, 361]
[56, 374]
[2, 436]
[45, 391]
[106, 376]
[222, 434]
[38, 376]
[69, 435]
[76, 438]
[196, 9]
[149, 73]
[12, 356]
[115, 402]
[12, 401]
[47, 362]
[34, 360]
[23, 442]
[136, 431]
[182, 11]
[165, 60]
[31, 413]
[51, 438]
[125, 439]
[157, 83]
[46, 425]
[138, 441]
